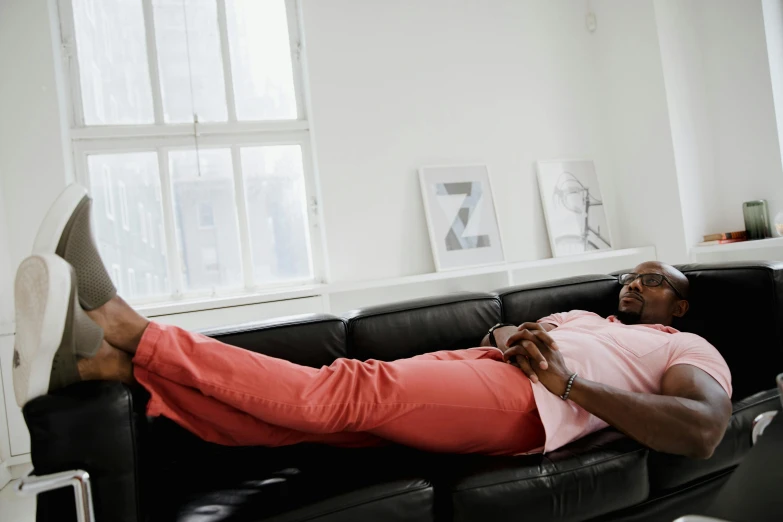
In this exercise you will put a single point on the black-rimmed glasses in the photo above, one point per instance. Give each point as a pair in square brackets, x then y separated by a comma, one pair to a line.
[648, 280]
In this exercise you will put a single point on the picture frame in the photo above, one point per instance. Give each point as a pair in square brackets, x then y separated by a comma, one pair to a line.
[573, 206]
[462, 219]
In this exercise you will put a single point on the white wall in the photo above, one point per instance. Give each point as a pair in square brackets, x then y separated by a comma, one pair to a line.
[689, 117]
[636, 127]
[6, 318]
[739, 97]
[396, 85]
[34, 161]
[6, 273]
[773, 29]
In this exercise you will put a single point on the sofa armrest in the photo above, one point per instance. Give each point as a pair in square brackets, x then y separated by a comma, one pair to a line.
[93, 426]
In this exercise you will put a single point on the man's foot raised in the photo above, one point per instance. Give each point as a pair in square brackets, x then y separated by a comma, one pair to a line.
[67, 231]
[53, 333]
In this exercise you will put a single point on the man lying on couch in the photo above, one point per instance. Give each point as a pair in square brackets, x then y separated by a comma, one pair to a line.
[572, 373]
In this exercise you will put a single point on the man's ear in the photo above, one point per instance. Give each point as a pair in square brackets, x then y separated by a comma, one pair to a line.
[681, 308]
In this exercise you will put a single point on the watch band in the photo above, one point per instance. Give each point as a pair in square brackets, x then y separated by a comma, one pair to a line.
[491, 332]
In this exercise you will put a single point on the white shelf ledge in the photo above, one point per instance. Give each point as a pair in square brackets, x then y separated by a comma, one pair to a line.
[774, 242]
[492, 269]
[352, 286]
[593, 256]
[325, 290]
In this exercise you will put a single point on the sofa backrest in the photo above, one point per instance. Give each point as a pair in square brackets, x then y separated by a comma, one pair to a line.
[311, 340]
[400, 330]
[736, 307]
[529, 303]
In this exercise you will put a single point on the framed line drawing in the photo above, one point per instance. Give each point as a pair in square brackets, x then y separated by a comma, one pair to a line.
[573, 207]
[461, 216]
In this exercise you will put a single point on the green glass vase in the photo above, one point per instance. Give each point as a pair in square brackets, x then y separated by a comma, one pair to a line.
[756, 219]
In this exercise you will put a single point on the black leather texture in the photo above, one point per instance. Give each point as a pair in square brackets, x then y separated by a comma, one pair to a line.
[400, 330]
[737, 307]
[529, 303]
[598, 474]
[303, 482]
[694, 498]
[153, 470]
[92, 426]
[313, 340]
[672, 471]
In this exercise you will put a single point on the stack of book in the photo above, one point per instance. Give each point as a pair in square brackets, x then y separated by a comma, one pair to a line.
[725, 237]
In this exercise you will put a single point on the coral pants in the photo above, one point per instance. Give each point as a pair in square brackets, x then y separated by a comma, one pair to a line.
[464, 401]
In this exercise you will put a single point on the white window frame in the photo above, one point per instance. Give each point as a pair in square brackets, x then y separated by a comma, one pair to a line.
[162, 137]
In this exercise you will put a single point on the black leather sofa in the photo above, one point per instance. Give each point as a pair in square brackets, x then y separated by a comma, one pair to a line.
[151, 470]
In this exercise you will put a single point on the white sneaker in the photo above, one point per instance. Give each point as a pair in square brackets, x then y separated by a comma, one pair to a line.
[52, 330]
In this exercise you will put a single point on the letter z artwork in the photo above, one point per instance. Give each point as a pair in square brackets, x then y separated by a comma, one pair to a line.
[455, 240]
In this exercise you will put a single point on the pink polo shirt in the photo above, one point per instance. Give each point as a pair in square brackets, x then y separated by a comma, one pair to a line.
[632, 358]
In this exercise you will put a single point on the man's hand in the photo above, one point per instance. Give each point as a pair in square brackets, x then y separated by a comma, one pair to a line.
[529, 332]
[537, 355]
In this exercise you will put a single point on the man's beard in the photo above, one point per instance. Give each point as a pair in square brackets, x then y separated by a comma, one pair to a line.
[626, 317]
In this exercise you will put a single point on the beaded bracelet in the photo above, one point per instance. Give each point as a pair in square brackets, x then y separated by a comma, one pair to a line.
[568, 387]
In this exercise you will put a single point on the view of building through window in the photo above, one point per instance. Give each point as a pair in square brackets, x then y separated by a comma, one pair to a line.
[176, 214]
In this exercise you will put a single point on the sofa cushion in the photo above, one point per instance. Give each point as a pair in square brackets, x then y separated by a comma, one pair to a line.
[737, 308]
[310, 340]
[406, 329]
[282, 498]
[594, 293]
[94, 426]
[198, 481]
[672, 471]
[598, 474]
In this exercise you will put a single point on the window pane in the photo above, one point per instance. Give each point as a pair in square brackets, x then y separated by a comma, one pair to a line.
[261, 59]
[112, 56]
[126, 242]
[179, 25]
[210, 255]
[277, 213]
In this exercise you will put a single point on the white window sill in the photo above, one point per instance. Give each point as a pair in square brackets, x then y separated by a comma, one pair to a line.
[212, 303]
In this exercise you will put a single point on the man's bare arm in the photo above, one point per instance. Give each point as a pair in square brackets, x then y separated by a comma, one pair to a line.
[688, 418]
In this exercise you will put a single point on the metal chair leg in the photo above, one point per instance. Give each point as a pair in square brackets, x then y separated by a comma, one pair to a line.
[31, 485]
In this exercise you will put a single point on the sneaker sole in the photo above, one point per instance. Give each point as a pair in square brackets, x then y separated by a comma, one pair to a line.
[51, 229]
[42, 292]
